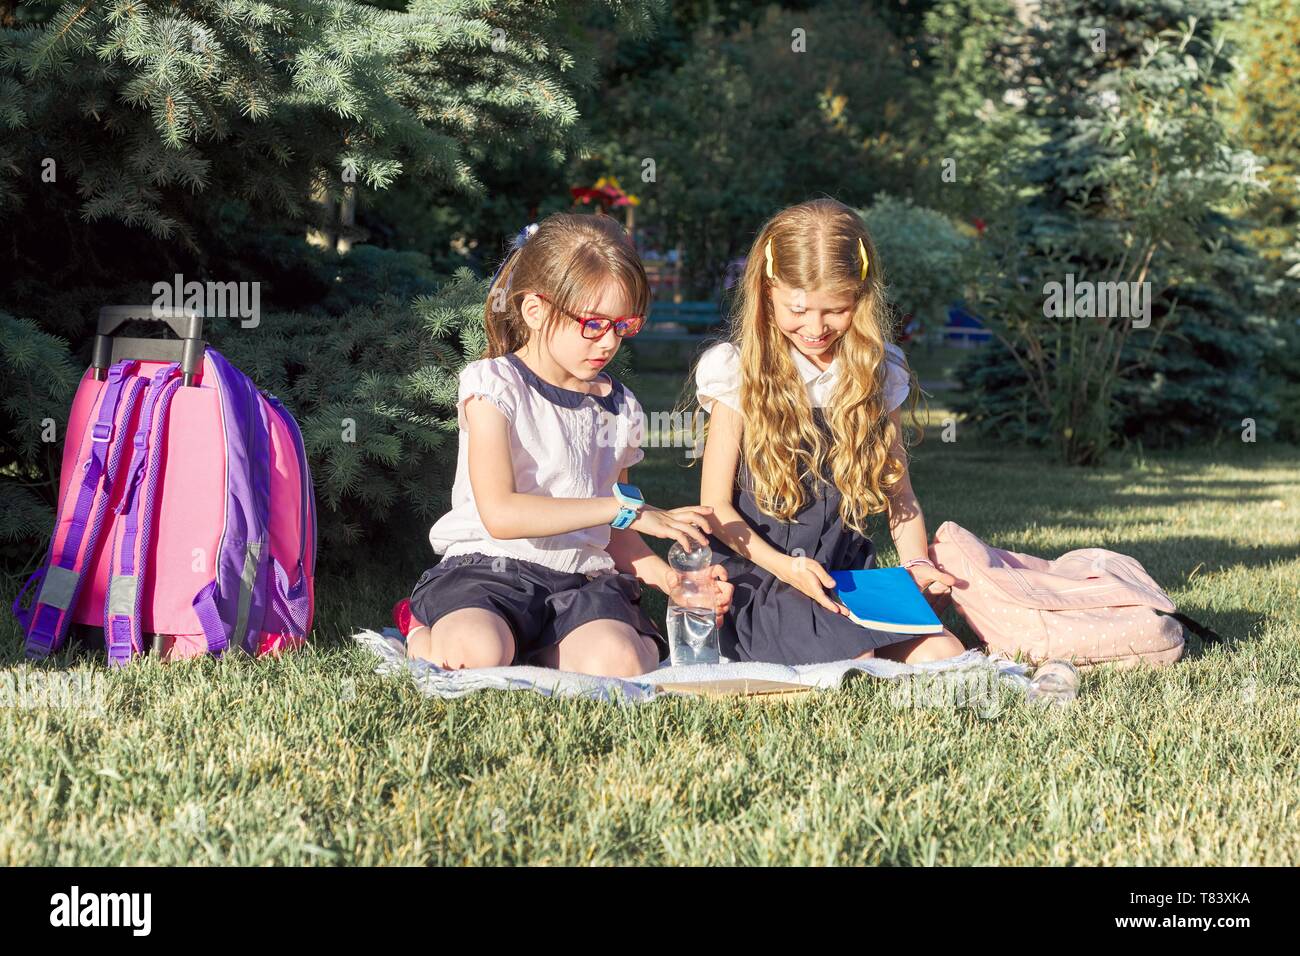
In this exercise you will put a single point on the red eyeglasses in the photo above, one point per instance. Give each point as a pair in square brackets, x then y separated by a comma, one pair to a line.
[595, 326]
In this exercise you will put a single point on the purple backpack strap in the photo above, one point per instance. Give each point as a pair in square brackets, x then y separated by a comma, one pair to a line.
[290, 604]
[232, 607]
[122, 634]
[47, 621]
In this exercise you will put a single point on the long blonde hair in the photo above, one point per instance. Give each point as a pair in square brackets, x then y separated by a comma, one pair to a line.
[569, 258]
[815, 247]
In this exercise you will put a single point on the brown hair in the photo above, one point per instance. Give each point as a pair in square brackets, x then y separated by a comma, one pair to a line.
[569, 258]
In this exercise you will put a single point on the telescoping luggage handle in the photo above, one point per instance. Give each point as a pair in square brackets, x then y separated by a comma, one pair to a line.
[187, 348]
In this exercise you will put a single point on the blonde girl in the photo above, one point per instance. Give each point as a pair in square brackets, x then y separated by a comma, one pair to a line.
[805, 441]
[542, 547]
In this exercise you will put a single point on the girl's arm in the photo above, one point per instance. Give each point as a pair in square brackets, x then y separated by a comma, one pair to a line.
[507, 513]
[907, 522]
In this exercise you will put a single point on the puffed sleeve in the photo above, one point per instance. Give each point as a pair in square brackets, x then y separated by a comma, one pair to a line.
[896, 377]
[488, 379]
[636, 425]
[717, 377]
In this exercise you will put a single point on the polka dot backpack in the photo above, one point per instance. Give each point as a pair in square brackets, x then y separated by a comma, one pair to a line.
[1089, 606]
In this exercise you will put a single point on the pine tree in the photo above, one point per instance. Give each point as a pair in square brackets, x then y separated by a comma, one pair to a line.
[139, 138]
[374, 390]
[1125, 164]
[142, 103]
[37, 377]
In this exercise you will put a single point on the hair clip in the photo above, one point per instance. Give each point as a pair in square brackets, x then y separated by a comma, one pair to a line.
[518, 242]
[771, 269]
[862, 251]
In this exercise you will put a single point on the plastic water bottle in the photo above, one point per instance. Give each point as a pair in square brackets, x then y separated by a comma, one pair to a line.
[692, 625]
[1055, 682]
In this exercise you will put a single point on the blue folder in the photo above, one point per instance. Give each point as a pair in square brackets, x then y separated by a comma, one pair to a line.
[886, 599]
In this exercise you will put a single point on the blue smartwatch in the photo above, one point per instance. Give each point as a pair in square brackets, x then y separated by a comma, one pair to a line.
[630, 504]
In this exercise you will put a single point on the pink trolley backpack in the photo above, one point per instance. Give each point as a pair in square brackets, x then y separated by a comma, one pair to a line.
[186, 508]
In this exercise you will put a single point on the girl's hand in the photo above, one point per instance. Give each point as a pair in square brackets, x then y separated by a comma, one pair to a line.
[686, 525]
[935, 585]
[806, 575]
[722, 589]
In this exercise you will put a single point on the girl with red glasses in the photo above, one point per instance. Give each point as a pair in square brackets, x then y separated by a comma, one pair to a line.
[543, 559]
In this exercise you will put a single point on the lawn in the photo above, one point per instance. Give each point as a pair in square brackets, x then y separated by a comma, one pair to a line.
[315, 759]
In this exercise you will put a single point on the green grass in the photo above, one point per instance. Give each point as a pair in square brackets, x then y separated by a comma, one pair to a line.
[315, 759]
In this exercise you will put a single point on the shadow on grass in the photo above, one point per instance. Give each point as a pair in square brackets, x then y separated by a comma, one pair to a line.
[1236, 626]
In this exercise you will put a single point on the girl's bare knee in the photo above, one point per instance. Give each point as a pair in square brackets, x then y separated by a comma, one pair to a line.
[919, 650]
[620, 662]
[940, 647]
[464, 639]
[615, 654]
[481, 650]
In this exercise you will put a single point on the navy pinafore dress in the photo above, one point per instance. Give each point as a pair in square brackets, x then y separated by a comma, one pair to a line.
[774, 622]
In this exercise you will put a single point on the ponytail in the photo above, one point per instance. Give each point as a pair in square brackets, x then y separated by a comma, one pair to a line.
[505, 329]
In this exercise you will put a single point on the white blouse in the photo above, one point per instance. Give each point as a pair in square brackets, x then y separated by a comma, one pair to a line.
[717, 377]
[563, 444]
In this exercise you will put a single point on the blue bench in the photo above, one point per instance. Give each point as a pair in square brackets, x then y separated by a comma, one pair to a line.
[964, 327]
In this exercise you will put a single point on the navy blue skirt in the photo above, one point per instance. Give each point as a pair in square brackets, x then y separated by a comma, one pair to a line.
[540, 605]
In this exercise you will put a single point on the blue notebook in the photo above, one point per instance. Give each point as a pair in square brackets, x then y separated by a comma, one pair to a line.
[886, 599]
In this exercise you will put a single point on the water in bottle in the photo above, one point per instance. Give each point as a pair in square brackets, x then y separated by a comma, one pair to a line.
[1055, 682]
[692, 627]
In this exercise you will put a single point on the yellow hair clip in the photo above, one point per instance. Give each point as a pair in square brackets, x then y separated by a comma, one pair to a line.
[862, 251]
[771, 269]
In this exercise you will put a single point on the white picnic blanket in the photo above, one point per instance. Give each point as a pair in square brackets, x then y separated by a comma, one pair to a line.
[434, 681]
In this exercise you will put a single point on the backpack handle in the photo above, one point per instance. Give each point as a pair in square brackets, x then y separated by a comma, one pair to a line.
[187, 348]
[1206, 634]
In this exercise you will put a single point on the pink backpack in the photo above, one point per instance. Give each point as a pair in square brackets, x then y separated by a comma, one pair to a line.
[1089, 606]
[186, 507]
